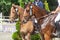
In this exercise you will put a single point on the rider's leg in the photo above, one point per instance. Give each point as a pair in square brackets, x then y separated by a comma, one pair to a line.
[57, 19]
[57, 22]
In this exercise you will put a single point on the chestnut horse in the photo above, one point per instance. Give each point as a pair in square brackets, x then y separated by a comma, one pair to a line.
[25, 28]
[16, 10]
[47, 25]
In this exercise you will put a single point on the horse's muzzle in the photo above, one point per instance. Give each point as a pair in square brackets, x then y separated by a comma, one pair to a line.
[24, 21]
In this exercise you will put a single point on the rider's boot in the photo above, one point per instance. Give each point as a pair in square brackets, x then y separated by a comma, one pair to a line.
[56, 25]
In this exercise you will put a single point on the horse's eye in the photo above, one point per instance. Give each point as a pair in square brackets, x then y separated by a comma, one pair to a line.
[27, 10]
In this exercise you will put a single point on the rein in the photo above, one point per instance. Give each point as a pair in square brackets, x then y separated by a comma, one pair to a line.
[31, 14]
[45, 16]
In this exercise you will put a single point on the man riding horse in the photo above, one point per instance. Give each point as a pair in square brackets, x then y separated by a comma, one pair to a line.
[57, 19]
[33, 11]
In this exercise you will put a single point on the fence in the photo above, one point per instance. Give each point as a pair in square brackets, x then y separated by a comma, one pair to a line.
[5, 25]
[9, 28]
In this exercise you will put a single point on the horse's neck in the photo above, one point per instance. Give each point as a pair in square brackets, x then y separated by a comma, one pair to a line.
[21, 10]
[39, 12]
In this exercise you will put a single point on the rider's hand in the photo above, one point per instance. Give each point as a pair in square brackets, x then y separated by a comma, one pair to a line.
[53, 12]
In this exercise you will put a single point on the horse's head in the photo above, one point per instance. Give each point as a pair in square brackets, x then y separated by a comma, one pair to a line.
[31, 10]
[27, 12]
[14, 12]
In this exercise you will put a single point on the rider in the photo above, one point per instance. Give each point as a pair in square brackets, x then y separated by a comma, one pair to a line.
[57, 11]
[38, 3]
[57, 19]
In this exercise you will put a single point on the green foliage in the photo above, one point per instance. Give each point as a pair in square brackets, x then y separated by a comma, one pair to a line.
[32, 0]
[5, 6]
[46, 6]
[52, 4]
[35, 37]
[18, 26]
[16, 35]
[21, 2]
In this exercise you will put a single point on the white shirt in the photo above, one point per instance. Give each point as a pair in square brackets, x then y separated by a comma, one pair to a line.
[58, 2]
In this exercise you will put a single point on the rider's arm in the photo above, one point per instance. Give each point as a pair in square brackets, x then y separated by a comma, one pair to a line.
[57, 9]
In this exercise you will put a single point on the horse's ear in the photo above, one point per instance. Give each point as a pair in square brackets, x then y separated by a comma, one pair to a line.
[30, 3]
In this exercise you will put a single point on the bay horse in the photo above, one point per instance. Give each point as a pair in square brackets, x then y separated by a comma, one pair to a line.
[47, 25]
[25, 28]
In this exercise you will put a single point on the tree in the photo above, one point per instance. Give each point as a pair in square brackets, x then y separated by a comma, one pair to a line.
[46, 6]
[5, 6]
[22, 2]
[52, 4]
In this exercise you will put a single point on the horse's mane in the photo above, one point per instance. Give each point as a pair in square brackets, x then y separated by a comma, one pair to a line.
[38, 9]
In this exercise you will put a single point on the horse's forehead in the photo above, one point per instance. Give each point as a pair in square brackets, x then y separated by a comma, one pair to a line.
[25, 13]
